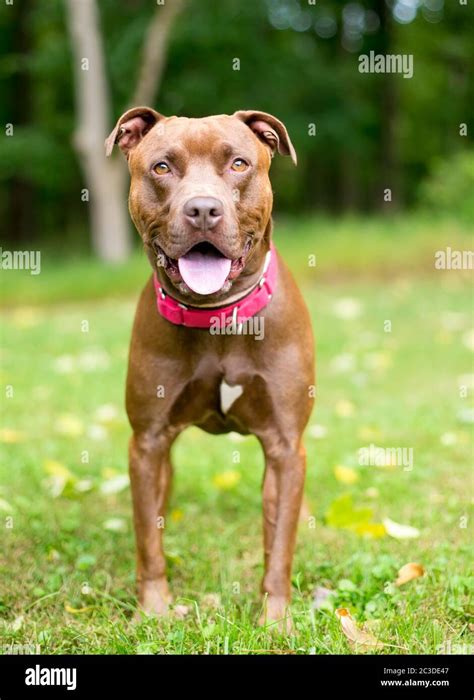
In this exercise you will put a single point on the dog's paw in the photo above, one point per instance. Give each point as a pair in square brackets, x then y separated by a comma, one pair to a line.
[276, 616]
[154, 599]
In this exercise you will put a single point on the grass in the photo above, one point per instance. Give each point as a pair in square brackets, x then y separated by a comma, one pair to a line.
[67, 564]
[348, 248]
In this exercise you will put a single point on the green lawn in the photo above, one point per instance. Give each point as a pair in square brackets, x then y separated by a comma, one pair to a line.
[67, 553]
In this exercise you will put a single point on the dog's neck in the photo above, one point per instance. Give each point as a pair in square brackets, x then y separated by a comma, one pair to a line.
[241, 287]
[231, 316]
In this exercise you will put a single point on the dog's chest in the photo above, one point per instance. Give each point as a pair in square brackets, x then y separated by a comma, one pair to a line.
[228, 395]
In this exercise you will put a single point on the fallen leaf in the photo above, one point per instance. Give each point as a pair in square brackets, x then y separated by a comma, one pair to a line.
[97, 432]
[60, 477]
[368, 432]
[347, 308]
[372, 492]
[343, 514]
[375, 530]
[344, 408]
[84, 485]
[408, 572]
[343, 363]
[64, 364]
[226, 480]
[377, 361]
[359, 638]
[69, 425]
[26, 317]
[181, 611]
[346, 475]
[8, 435]
[400, 532]
[318, 432]
[93, 359]
[77, 611]
[106, 413]
[448, 439]
[115, 525]
[115, 485]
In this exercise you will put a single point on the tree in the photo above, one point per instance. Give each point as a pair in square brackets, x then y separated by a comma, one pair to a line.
[106, 178]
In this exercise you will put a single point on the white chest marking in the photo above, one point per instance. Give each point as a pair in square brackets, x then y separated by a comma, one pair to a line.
[229, 394]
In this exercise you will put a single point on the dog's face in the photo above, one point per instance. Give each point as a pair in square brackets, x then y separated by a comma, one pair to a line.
[200, 194]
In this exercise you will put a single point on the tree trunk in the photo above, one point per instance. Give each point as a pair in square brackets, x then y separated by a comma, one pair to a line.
[105, 178]
[155, 52]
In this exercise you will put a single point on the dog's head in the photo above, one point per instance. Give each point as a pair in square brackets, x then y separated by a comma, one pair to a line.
[200, 194]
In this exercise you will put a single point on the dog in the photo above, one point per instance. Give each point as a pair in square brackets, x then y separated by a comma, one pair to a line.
[201, 200]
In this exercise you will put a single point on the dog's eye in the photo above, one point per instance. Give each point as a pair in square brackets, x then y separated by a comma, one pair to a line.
[239, 165]
[161, 168]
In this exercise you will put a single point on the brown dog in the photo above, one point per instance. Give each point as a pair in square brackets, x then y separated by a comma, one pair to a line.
[201, 200]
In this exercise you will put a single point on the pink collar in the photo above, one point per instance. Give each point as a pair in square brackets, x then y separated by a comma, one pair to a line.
[236, 313]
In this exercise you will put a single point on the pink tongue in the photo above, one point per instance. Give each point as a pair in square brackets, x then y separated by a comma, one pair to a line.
[204, 273]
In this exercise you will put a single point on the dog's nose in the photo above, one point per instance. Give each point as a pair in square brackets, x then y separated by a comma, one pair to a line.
[203, 212]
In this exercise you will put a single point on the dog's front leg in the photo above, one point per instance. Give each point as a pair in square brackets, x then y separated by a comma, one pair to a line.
[150, 479]
[285, 466]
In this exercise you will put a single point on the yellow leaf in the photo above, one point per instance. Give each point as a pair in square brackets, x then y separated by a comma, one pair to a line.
[409, 572]
[70, 425]
[375, 530]
[400, 532]
[368, 432]
[77, 611]
[226, 480]
[60, 477]
[26, 317]
[346, 475]
[344, 408]
[372, 492]
[176, 515]
[358, 638]
[54, 468]
[9, 435]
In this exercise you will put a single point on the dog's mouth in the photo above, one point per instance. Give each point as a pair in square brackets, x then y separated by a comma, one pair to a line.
[204, 269]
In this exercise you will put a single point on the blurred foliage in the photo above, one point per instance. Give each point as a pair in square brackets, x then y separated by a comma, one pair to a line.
[298, 61]
[450, 188]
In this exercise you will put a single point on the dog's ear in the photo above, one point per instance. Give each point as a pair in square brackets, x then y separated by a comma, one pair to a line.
[132, 126]
[270, 130]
